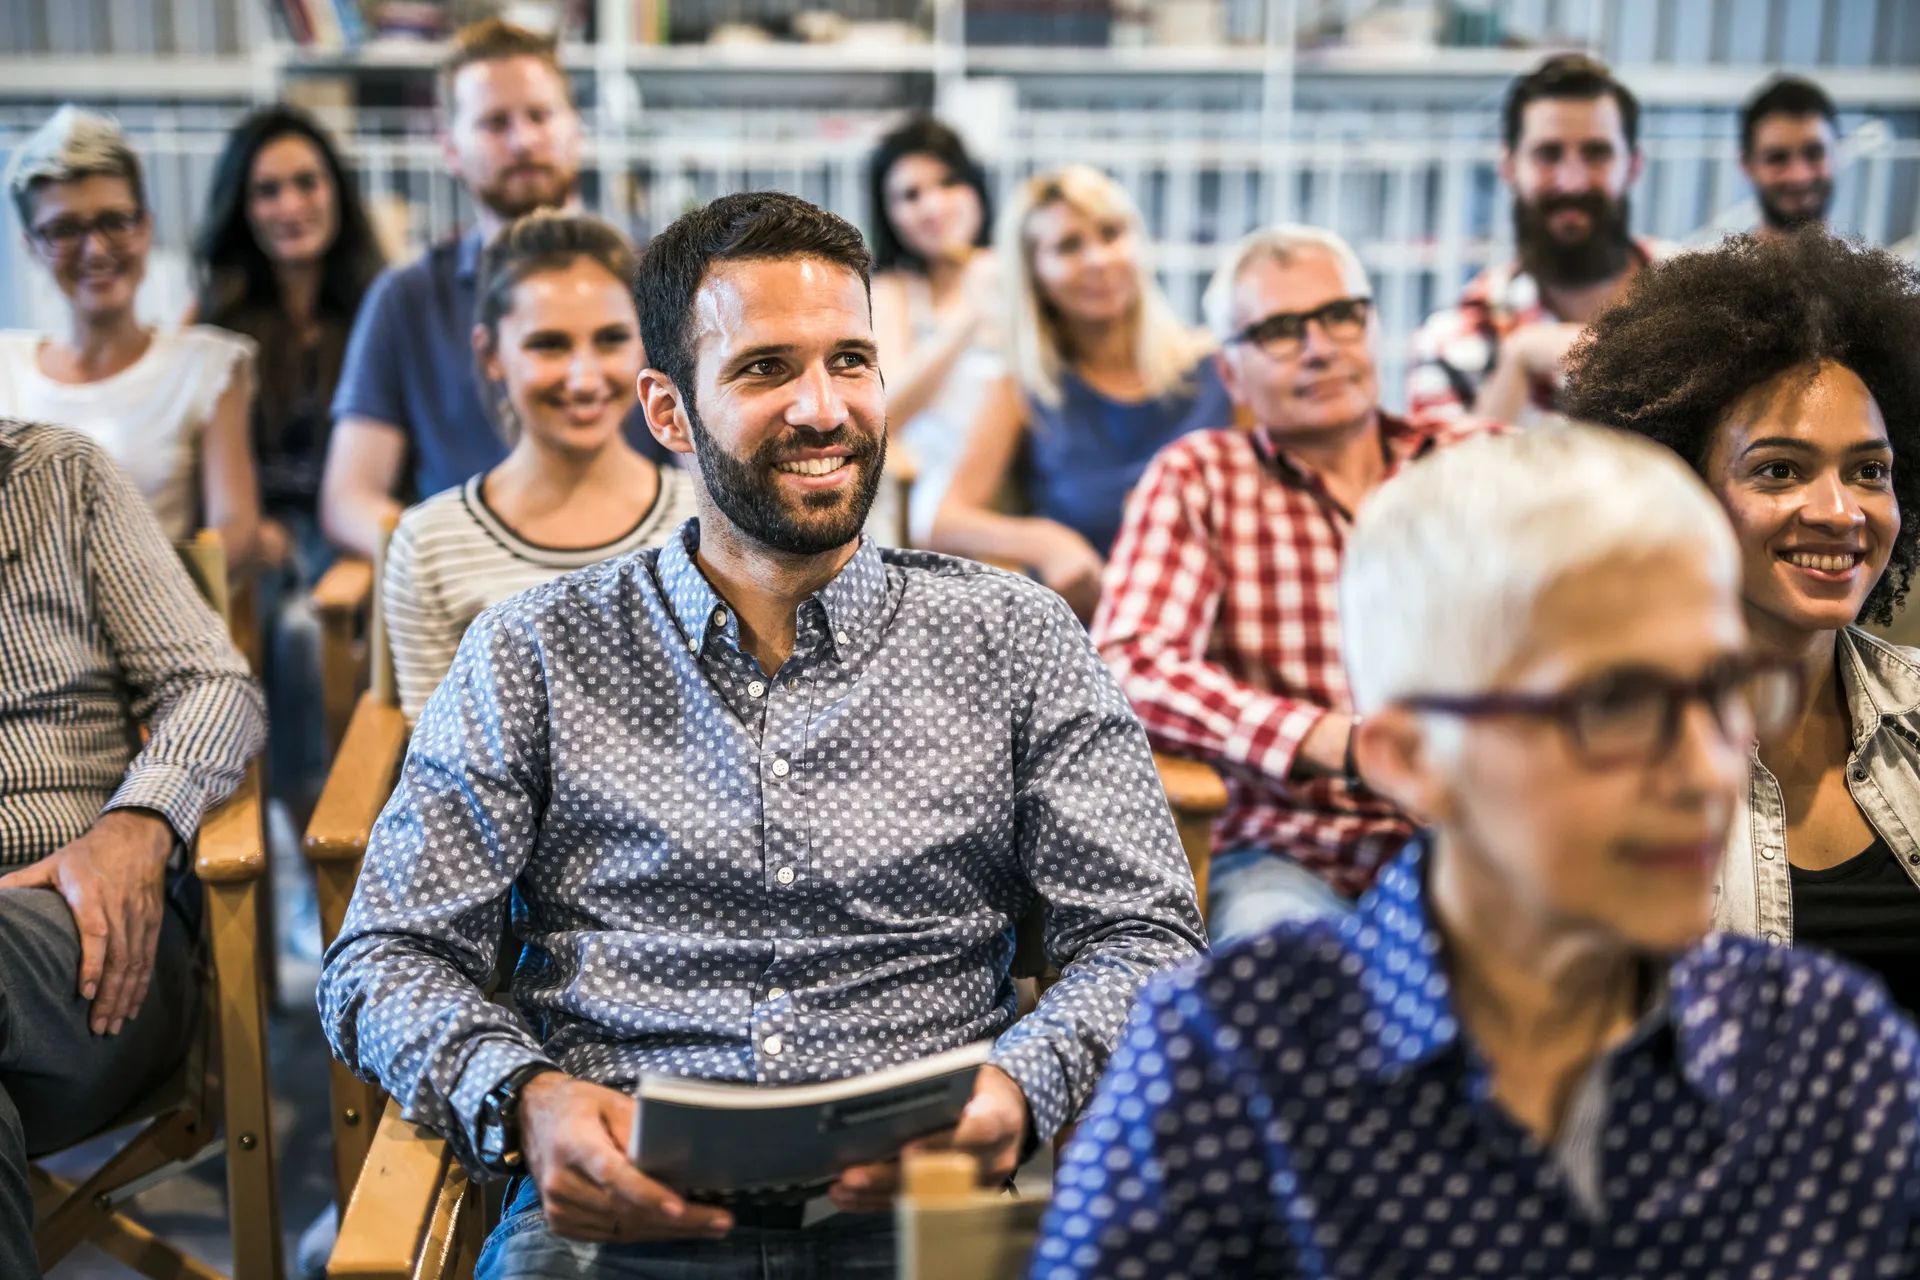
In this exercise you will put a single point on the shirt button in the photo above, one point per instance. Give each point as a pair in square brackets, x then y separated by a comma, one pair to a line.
[776, 993]
[693, 645]
[842, 637]
[773, 1045]
[793, 686]
[1859, 772]
[719, 617]
[755, 689]
[781, 768]
[1767, 854]
[1773, 938]
[784, 875]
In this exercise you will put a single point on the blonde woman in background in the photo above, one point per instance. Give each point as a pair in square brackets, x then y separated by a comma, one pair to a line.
[1101, 374]
[171, 406]
[558, 343]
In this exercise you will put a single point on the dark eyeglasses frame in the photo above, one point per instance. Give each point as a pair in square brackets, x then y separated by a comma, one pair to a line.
[115, 226]
[1565, 706]
[1320, 315]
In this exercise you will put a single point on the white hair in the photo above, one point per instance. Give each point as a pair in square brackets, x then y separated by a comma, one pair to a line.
[71, 145]
[1282, 243]
[1447, 559]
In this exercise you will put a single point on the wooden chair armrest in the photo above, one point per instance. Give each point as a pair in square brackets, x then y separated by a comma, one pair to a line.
[231, 845]
[401, 1191]
[359, 783]
[345, 588]
[1192, 788]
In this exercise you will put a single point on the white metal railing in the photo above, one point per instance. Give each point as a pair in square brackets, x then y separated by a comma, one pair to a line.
[1414, 190]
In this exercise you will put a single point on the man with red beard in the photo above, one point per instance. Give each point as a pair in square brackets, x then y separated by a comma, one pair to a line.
[408, 417]
[1570, 154]
[1787, 150]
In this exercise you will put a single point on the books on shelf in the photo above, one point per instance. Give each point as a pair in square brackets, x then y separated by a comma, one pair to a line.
[705, 1138]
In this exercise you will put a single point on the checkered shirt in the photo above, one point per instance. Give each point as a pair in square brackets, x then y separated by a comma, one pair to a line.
[1219, 616]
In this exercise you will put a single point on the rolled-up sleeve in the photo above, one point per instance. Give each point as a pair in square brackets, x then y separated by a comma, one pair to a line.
[1099, 845]
[402, 995]
[204, 713]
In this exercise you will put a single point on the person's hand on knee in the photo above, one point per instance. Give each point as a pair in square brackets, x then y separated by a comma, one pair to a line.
[574, 1137]
[114, 880]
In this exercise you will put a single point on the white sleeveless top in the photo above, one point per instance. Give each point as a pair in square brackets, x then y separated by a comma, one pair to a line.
[149, 417]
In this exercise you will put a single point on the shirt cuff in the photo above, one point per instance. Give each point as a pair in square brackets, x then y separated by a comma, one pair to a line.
[1035, 1067]
[169, 791]
[1271, 736]
[487, 1067]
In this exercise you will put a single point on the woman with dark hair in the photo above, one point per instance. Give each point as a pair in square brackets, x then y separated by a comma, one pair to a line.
[557, 340]
[934, 291]
[285, 255]
[1785, 371]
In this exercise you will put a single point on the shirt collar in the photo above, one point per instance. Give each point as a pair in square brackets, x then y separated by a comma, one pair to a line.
[1879, 682]
[1400, 440]
[466, 256]
[10, 431]
[1399, 952]
[851, 603]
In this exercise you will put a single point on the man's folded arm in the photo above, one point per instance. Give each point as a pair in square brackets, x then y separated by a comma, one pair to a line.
[402, 998]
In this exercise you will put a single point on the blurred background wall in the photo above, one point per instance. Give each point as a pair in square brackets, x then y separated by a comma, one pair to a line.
[1376, 117]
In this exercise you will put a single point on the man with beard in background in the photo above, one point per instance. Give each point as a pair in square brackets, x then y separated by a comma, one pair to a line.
[765, 804]
[1788, 145]
[1570, 154]
[408, 415]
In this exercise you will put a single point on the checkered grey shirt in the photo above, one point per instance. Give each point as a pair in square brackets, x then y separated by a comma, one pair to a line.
[731, 875]
[102, 631]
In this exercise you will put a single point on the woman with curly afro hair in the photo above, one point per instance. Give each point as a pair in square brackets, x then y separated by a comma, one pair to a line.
[1787, 373]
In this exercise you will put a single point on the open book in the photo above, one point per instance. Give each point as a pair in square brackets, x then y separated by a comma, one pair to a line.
[703, 1138]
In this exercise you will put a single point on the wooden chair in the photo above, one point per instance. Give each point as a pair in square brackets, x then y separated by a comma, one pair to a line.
[219, 1099]
[343, 604]
[950, 1228]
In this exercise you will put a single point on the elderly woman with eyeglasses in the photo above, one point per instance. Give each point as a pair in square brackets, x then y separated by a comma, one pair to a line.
[1786, 372]
[169, 405]
[1523, 1055]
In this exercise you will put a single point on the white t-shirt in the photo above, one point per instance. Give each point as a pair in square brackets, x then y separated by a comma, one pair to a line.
[149, 417]
[453, 557]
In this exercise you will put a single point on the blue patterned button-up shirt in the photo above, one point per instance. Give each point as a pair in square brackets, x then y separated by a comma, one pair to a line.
[1305, 1105]
[734, 876]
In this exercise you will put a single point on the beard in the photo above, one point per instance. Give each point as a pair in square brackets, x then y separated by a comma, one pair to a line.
[1602, 254]
[747, 490]
[1789, 219]
[516, 194]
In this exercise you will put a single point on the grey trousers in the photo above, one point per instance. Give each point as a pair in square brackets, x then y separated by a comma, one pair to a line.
[59, 1083]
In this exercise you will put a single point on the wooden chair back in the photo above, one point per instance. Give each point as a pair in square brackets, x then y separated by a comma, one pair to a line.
[949, 1228]
[220, 1099]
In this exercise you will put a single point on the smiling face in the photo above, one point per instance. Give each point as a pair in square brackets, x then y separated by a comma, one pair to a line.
[292, 207]
[1085, 265]
[1323, 387]
[1791, 168]
[568, 352]
[788, 414]
[1804, 469]
[513, 136]
[1570, 169]
[934, 211]
[1630, 851]
[100, 272]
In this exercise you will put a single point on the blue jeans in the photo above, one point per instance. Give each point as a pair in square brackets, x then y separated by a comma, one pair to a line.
[844, 1247]
[1250, 890]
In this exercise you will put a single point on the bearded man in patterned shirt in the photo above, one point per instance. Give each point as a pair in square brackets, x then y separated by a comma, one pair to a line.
[764, 805]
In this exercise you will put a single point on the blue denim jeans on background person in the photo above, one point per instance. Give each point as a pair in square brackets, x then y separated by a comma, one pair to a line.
[1250, 890]
[847, 1246]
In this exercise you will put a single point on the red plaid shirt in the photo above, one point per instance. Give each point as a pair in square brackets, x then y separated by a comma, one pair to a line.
[1454, 351]
[1219, 617]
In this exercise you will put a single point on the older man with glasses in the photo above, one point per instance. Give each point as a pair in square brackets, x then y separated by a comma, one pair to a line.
[1218, 612]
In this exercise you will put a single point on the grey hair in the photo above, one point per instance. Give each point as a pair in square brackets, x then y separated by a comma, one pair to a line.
[1281, 242]
[1448, 559]
[71, 145]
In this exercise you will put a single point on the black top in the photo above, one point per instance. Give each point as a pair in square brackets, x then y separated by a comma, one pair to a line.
[291, 403]
[1867, 910]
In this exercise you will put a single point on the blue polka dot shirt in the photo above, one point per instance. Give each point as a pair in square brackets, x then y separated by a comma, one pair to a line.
[1305, 1105]
[723, 873]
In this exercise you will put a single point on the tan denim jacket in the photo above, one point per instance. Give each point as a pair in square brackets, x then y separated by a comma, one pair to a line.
[1881, 683]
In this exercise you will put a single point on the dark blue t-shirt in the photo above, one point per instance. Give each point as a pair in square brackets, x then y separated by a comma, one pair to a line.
[1083, 455]
[410, 362]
